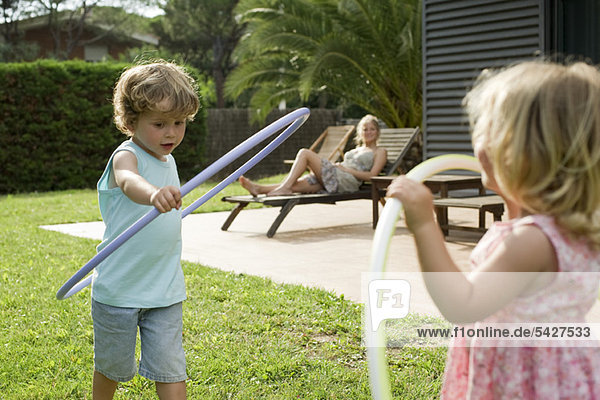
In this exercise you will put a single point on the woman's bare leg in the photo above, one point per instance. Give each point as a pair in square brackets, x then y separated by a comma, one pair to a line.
[303, 186]
[256, 188]
[292, 183]
[304, 159]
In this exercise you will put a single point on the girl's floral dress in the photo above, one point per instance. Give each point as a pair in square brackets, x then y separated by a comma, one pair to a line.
[497, 371]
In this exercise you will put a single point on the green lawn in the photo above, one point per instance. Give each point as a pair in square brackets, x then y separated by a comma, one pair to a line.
[245, 337]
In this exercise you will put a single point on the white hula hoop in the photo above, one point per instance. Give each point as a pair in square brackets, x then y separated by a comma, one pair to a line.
[375, 341]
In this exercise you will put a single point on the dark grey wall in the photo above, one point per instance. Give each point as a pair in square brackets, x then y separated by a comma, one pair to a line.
[574, 28]
[460, 38]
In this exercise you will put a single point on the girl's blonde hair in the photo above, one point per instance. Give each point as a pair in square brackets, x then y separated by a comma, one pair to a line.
[358, 138]
[539, 124]
[142, 88]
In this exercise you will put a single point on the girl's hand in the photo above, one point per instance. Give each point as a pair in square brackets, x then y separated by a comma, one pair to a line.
[416, 199]
[166, 198]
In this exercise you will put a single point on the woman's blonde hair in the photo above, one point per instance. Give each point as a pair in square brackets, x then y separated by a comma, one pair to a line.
[539, 124]
[359, 138]
[142, 88]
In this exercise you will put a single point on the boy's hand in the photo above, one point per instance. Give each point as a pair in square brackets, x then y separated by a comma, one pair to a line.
[166, 198]
[416, 199]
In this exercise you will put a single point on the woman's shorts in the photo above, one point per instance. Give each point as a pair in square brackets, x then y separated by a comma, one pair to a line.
[328, 173]
[334, 179]
[115, 334]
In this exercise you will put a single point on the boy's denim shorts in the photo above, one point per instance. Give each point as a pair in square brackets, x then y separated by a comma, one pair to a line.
[115, 333]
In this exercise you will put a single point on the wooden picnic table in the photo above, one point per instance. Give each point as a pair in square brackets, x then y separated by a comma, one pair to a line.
[441, 185]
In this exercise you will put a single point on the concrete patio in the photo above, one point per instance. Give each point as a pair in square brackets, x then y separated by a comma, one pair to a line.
[317, 245]
[326, 246]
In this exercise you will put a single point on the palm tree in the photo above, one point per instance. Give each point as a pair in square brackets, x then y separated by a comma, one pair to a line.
[365, 52]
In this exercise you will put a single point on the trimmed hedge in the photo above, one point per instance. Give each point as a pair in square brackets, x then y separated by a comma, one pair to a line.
[56, 129]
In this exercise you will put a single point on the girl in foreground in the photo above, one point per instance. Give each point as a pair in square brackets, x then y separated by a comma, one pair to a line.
[536, 131]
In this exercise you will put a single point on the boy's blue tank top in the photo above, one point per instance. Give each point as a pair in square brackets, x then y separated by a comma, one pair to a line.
[145, 272]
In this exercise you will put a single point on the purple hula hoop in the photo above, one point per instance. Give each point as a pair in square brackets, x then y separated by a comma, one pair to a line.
[292, 120]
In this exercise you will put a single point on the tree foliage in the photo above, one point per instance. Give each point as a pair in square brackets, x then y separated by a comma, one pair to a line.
[67, 20]
[12, 48]
[10, 13]
[365, 52]
[204, 33]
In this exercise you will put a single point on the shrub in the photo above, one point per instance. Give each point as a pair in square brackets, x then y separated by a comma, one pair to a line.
[56, 129]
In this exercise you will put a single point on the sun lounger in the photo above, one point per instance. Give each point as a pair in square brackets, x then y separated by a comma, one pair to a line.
[331, 143]
[396, 141]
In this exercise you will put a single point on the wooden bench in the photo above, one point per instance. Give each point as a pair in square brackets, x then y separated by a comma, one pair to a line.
[493, 204]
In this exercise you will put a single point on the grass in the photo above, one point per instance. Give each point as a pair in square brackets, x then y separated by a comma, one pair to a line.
[245, 337]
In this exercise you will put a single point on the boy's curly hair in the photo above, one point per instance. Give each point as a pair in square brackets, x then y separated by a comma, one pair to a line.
[145, 87]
